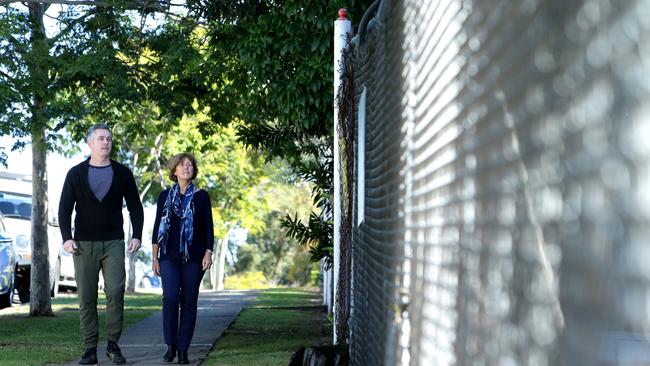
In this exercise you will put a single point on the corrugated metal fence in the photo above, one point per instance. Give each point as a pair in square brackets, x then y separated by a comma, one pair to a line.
[506, 215]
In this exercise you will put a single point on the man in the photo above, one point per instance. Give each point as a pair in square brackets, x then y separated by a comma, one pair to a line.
[96, 189]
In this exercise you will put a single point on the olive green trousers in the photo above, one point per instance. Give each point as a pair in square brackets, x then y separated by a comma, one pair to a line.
[90, 258]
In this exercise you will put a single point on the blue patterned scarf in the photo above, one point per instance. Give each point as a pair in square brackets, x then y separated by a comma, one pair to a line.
[184, 209]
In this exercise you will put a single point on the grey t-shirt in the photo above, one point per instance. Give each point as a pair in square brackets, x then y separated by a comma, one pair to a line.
[100, 179]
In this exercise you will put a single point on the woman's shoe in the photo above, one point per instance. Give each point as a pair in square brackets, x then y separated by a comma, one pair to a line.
[169, 355]
[182, 357]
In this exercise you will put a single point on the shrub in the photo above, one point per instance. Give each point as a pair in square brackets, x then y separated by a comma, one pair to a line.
[246, 281]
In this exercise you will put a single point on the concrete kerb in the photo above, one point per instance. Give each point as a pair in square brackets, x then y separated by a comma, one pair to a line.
[143, 342]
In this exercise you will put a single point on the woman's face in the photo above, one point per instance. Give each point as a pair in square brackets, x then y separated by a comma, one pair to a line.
[184, 170]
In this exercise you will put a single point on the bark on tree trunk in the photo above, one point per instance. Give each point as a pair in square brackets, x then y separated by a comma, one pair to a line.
[278, 258]
[213, 273]
[219, 260]
[39, 302]
[130, 270]
[130, 274]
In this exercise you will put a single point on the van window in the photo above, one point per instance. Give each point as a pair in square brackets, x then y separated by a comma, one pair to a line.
[16, 205]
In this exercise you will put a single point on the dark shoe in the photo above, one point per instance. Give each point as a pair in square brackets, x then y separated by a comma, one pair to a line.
[182, 357]
[89, 357]
[170, 354]
[114, 354]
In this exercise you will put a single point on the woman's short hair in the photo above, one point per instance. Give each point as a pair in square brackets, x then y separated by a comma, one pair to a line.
[176, 160]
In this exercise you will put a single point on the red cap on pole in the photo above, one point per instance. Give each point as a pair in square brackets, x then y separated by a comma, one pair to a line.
[343, 14]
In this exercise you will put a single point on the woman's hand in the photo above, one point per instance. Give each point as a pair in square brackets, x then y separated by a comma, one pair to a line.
[155, 267]
[207, 260]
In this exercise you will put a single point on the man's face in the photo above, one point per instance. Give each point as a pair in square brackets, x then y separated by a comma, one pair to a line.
[100, 144]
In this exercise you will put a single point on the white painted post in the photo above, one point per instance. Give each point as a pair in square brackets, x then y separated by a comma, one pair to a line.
[342, 29]
[327, 286]
[324, 283]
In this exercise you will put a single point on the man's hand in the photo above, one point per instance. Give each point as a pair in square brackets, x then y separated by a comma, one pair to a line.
[70, 246]
[134, 245]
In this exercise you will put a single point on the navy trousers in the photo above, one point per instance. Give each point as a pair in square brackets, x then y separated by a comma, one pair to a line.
[180, 283]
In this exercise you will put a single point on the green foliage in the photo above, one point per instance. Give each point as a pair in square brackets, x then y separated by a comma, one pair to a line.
[269, 66]
[79, 68]
[225, 71]
[274, 251]
[229, 172]
[284, 50]
[52, 76]
[318, 234]
[302, 270]
[247, 258]
[246, 281]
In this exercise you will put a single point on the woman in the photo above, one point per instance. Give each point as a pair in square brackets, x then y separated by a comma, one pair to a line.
[183, 238]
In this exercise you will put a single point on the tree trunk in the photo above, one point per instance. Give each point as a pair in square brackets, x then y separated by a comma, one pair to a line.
[39, 301]
[278, 258]
[130, 273]
[214, 271]
[222, 263]
[130, 270]
[219, 262]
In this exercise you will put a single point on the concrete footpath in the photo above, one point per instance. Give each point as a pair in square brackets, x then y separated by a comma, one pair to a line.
[143, 343]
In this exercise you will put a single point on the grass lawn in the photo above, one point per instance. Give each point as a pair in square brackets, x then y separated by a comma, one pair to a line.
[38, 341]
[267, 333]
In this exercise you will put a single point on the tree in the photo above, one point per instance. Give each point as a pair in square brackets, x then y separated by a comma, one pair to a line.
[51, 75]
[272, 61]
[268, 59]
[270, 250]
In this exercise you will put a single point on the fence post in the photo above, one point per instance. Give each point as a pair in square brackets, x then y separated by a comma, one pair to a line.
[342, 28]
[327, 286]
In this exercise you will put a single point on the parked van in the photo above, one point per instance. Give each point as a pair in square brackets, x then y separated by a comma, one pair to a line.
[16, 207]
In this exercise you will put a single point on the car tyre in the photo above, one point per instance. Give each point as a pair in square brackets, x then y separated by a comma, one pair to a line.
[7, 299]
[21, 284]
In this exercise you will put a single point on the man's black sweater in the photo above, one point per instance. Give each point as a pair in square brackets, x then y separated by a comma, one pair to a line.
[99, 220]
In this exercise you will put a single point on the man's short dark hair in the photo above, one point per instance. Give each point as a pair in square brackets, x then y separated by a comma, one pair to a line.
[95, 127]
